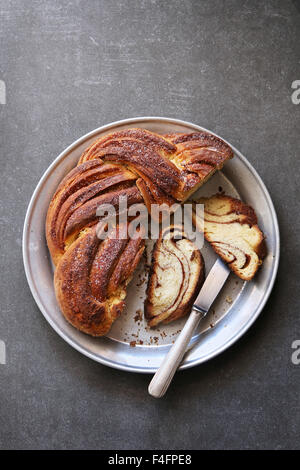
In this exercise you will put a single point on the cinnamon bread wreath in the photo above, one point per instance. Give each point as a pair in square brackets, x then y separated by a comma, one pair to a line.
[91, 273]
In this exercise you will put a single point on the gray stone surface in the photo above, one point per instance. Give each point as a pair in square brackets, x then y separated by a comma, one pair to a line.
[71, 66]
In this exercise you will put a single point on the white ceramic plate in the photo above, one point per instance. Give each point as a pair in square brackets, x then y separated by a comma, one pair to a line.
[235, 309]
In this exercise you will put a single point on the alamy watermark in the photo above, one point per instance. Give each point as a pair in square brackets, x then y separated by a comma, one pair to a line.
[2, 92]
[295, 357]
[2, 352]
[295, 97]
[133, 221]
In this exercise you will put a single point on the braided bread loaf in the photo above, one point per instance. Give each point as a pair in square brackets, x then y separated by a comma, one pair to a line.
[92, 274]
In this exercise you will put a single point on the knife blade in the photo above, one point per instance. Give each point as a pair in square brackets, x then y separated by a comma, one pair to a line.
[209, 291]
[211, 287]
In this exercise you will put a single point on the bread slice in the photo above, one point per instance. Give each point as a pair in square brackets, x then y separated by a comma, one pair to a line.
[177, 273]
[230, 226]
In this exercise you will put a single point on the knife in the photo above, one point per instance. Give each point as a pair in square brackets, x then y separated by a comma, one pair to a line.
[209, 291]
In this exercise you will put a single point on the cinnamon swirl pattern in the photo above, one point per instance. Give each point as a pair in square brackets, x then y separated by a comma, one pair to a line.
[177, 273]
[230, 226]
[133, 163]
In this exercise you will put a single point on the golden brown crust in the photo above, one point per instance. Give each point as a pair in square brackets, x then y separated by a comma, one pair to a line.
[176, 275]
[230, 226]
[176, 164]
[91, 275]
[198, 155]
[75, 201]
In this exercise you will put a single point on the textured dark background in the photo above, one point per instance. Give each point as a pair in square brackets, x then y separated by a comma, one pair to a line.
[71, 66]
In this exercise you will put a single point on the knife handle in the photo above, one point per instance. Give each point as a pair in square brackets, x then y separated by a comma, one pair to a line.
[164, 375]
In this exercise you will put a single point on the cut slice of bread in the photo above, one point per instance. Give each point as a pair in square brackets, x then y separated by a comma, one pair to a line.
[230, 226]
[177, 273]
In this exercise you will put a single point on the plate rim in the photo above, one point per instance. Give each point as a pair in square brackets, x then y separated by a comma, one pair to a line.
[26, 261]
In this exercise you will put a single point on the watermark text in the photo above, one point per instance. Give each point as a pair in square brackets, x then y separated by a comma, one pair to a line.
[295, 357]
[2, 352]
[133, 221]
[2, 92]
[295, 97]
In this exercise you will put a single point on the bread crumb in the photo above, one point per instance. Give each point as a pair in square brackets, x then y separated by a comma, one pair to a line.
[139, 315]
[229, 299]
